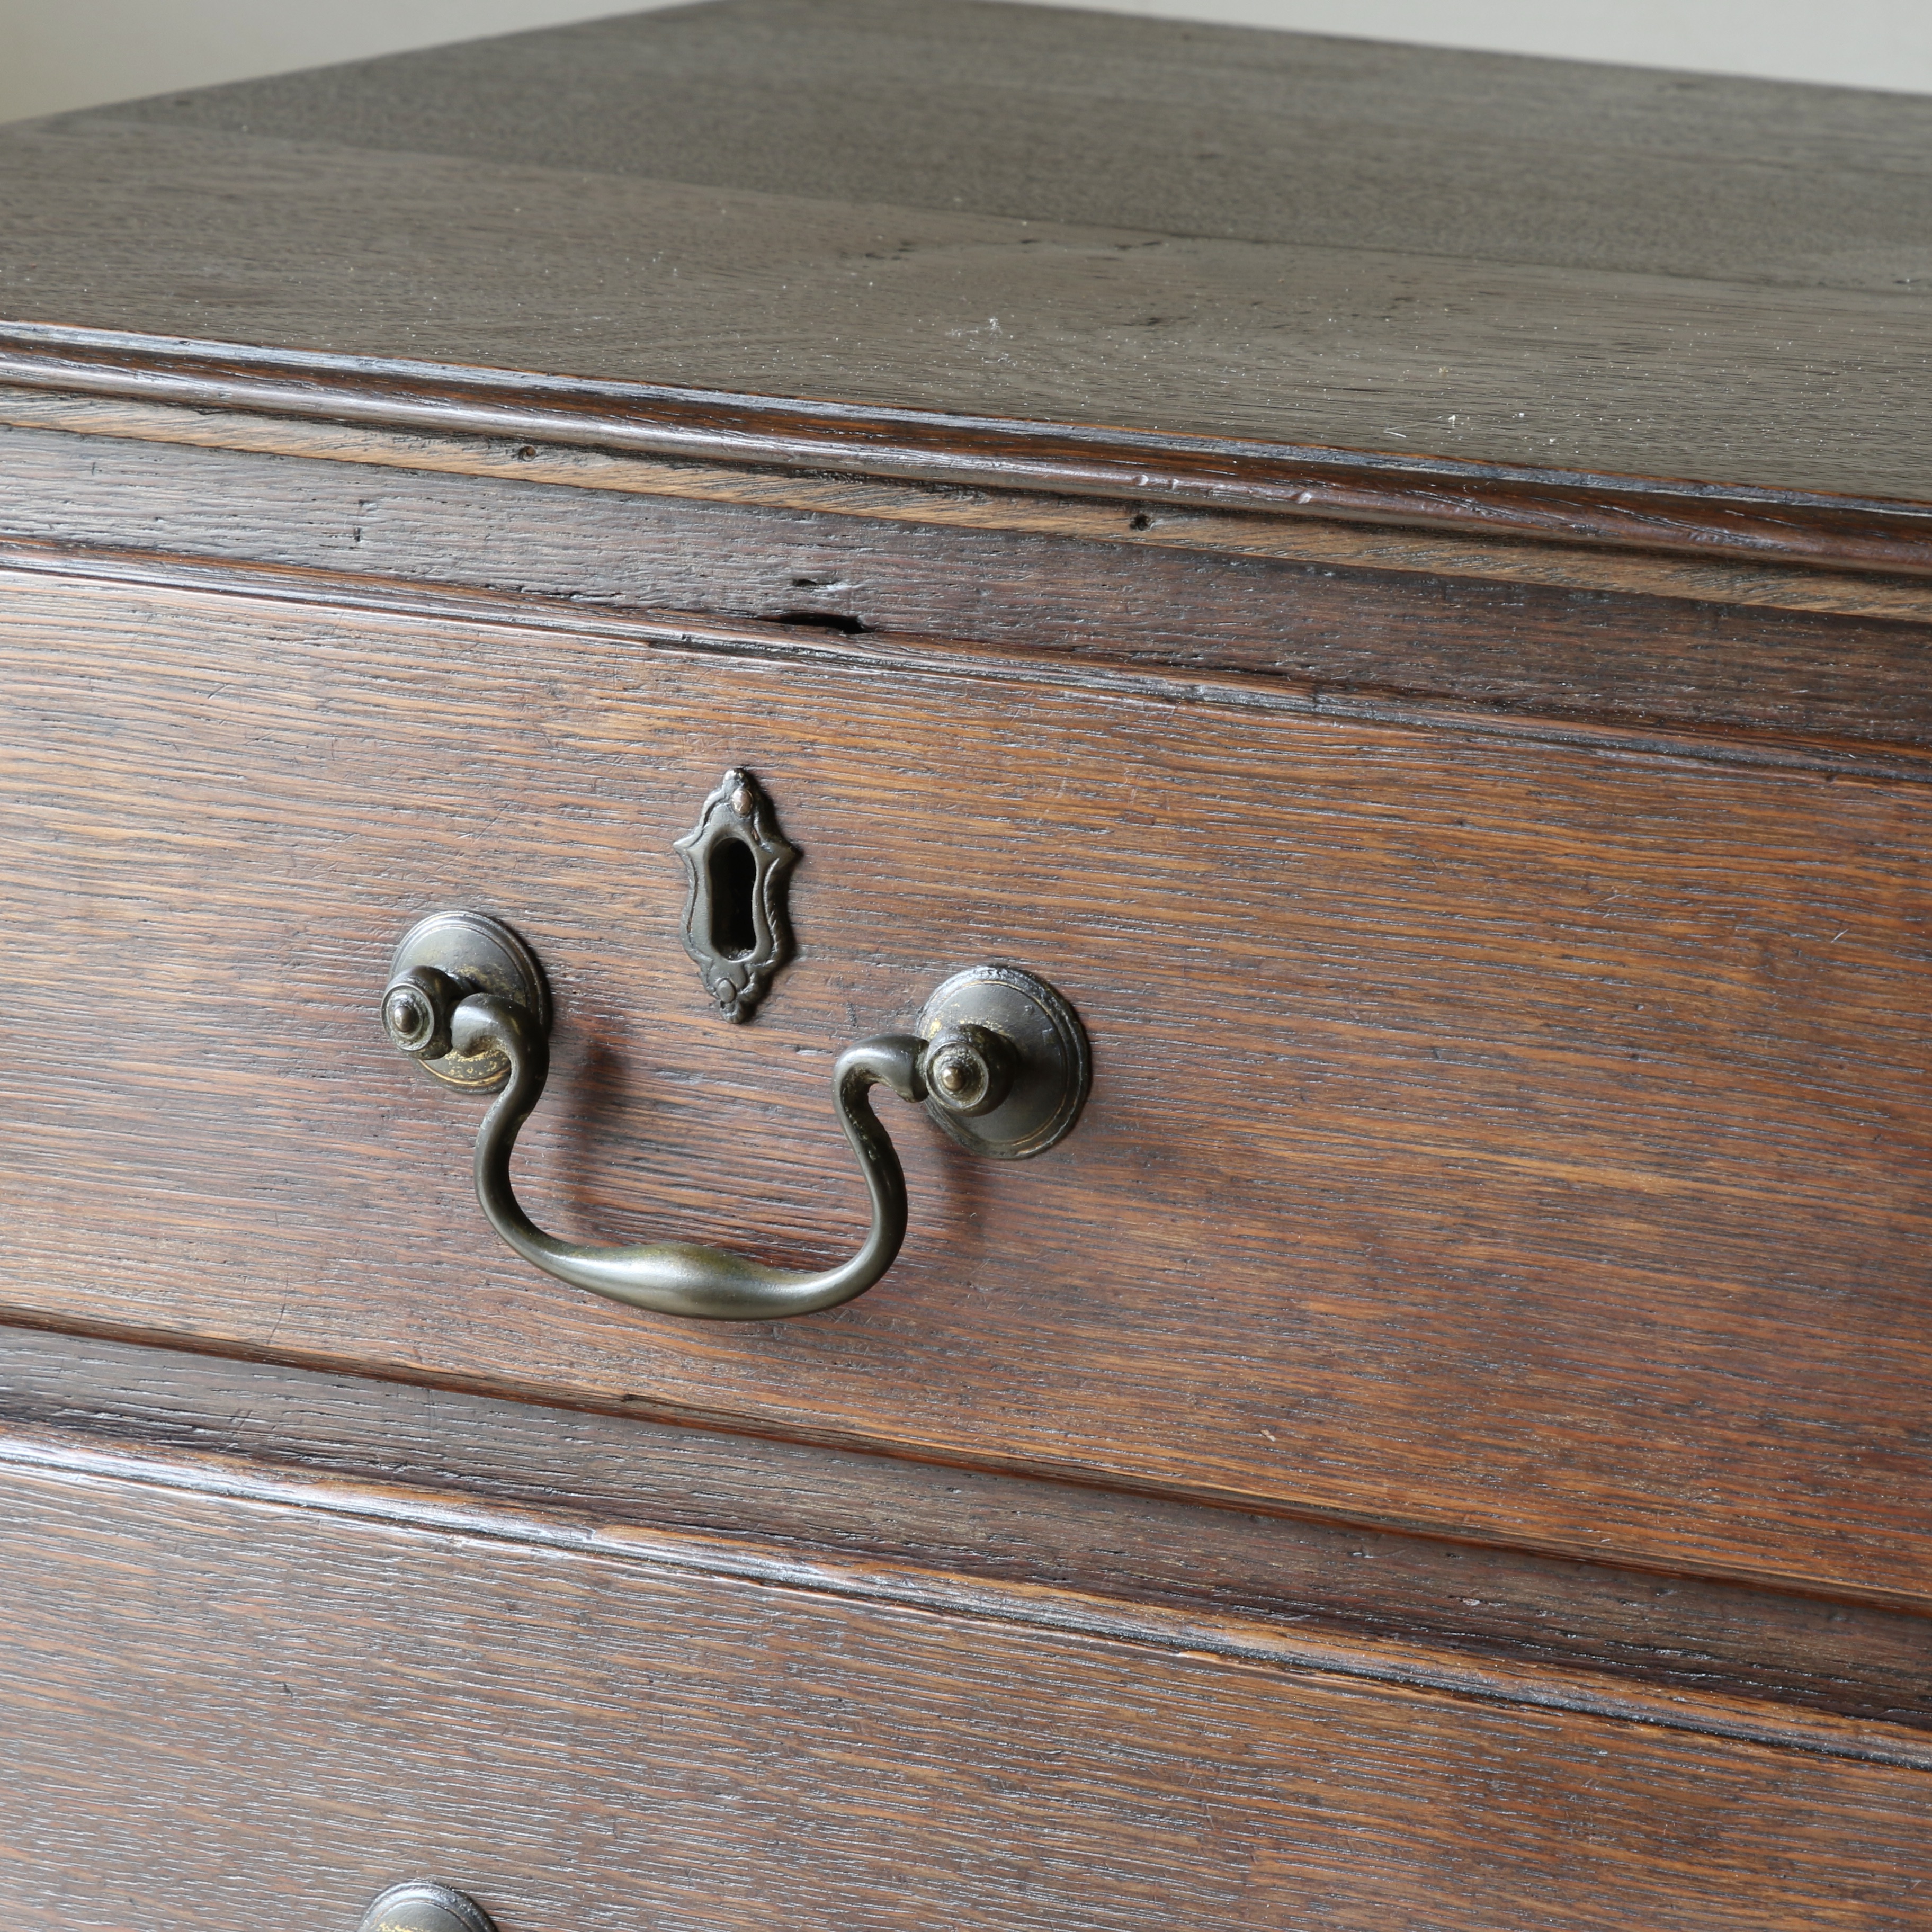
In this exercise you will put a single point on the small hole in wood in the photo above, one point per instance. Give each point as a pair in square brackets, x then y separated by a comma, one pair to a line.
[732, 873]
[824, 620]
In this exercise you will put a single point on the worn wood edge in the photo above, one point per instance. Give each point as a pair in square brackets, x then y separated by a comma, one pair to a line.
[1492, 500]
[1277, 537]
[1251, 1641]
[946, 660]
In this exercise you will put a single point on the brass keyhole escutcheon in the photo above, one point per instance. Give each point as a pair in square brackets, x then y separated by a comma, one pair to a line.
[736, 861]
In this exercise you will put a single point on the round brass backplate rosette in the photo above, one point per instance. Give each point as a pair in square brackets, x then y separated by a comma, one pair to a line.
[473, 953]
[1048, 1045]
[422, 1906]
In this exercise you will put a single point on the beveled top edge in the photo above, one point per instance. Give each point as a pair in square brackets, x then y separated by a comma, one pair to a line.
[816, 434]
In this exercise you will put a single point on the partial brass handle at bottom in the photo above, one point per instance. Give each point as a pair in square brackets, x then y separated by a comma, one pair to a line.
[1000, 1060]
[422, 1906]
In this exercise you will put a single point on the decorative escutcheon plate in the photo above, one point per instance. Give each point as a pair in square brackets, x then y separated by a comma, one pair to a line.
[735, 862]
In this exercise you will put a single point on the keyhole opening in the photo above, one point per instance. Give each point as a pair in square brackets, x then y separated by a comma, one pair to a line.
[733, 868]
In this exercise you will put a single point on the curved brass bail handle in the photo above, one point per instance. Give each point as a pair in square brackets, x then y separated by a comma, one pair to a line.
[1000, 1059]
[682, 1277]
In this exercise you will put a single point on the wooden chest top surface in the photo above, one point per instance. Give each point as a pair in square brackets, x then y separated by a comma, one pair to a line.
[990, 210]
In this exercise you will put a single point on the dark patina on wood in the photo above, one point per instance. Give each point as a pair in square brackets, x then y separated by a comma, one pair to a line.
[1695, 668]
[1723, 519]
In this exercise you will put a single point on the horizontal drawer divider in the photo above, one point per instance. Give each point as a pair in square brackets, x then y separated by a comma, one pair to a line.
[1690, 1654]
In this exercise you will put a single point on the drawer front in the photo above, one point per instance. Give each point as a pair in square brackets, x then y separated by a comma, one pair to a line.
[1514, 1137]
[233, 1713]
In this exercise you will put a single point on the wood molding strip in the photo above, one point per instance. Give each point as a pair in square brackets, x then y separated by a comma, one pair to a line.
[1302, 539]
[696, 1502]
[947, 660]
[1486, 500]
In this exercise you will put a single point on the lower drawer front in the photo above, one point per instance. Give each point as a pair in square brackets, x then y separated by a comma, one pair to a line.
[219, 1713]
[1517, 1139]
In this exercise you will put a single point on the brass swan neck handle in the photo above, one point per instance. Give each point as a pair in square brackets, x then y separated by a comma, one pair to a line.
[680, 1277]
[1000, 1060]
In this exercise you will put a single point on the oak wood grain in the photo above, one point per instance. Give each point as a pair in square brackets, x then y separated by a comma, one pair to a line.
[1687, 1653]
[1193, 129]
[1514, 1141]
[1397, 580]
[279, 1706]
[804, 637]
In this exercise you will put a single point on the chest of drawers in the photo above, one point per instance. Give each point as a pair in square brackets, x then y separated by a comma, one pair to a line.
[1396, 582]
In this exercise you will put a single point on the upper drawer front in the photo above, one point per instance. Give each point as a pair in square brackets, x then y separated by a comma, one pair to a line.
[1498, 1136]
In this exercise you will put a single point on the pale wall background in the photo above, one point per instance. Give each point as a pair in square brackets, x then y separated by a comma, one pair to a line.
[56, 54]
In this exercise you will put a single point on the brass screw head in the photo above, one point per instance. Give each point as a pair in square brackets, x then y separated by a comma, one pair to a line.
[960, 1075]
[407, 1014]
